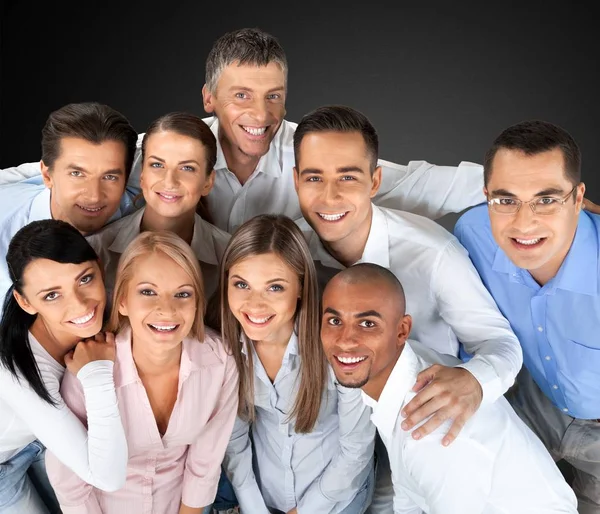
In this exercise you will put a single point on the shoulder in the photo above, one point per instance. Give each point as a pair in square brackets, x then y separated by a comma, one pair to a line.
[476, 218]
[474, 231]
[213, 346]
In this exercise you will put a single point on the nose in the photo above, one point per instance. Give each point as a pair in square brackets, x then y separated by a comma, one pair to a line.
[330, 192]
[525, 219]
[259, 111]
[166, 305]
[171, 179]
[79, 303]
[347, 338]
[93, 191]
[256, 301]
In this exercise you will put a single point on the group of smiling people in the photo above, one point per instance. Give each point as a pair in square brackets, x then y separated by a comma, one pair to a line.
[242, 314]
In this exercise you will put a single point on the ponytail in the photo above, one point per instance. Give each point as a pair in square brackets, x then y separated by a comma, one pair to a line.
[15, 351]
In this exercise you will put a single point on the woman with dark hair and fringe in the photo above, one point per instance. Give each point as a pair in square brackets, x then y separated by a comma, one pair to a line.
[52, 317]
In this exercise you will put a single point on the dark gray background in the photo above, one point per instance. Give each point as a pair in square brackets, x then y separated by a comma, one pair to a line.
[438, 83]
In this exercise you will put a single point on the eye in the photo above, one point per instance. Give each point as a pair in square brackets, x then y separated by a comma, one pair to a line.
[366, 324]
[507, 201]
[241, 96]
[274, 96]
[51, 296]
[547, 200]
[76, 174]
[276, 288]
[86, 279]
[156, 165]
[183, 294]
[147, 292]
[347, 178]
[240, 285]
[188, 168]
[112, 178]
[313, 179]
[334, 321]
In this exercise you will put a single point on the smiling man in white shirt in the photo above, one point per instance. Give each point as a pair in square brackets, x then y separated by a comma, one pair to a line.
[245, 91]
[496, 464]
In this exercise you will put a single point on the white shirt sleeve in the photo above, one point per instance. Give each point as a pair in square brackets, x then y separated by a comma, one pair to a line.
[99, 454]
[18, 173]
[429, 190]
[456, 478]
[466, 305]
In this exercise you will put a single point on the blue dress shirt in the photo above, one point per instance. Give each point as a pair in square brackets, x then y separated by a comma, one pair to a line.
[557, 324]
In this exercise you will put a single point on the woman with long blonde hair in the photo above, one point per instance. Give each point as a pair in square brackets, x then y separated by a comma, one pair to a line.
[176, 384]
[312, 440]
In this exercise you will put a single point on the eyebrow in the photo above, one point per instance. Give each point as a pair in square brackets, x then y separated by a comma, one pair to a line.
[154, 285]
[155, 157]
[115, 171]
[365, 314]
[341, 171]
[545, 192]
[41, 291]
[246, 88]
[269, 282]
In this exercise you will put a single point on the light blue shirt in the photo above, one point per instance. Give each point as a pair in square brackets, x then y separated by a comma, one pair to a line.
[319, 472]
[557, 324]
[29, 200]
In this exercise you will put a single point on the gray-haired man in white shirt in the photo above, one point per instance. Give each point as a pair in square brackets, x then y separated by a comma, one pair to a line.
[496, 464]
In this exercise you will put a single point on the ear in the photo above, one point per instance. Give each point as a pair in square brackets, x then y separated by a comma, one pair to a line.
[296, 178]
[579, 197]
[375, 181]
[122, 307]
[207, 100]
[46, 176]
[404, 327]
[210, 182]
[23, 303]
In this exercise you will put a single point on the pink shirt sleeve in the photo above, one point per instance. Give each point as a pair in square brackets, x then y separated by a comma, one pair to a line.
[74, 495]
[205, 455]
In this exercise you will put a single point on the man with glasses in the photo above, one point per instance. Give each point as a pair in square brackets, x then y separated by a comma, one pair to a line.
[538, 254]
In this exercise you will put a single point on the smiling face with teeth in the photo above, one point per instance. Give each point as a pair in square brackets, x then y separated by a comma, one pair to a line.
[160, 303]
[263, 293]
[69, 299]
[174, 176]
[86, 181]
[363, 330]
[335, 186]
[538, 243]
[249, 102]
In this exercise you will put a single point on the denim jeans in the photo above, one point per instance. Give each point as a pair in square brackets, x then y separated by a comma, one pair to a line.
[225, 498]
[24, 485]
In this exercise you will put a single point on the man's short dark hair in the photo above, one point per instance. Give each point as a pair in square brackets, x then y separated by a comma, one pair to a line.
[90, 121]
[245, 46]
[338, 118]
[534, 137]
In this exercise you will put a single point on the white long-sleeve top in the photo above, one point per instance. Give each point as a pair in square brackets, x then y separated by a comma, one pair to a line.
[495, 466]
[99, 454]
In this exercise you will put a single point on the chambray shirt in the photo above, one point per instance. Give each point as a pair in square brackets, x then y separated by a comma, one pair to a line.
[319, 472]
[557, 324]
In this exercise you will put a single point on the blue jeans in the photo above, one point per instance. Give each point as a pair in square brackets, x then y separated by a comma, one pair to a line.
[24, 485]
[225, 498]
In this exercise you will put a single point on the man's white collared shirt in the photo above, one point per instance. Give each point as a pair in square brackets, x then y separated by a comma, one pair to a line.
[495, 466]
[444, 294]
[208, 243]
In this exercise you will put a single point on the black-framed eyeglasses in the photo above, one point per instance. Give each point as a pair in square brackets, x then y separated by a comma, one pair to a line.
[545, 205]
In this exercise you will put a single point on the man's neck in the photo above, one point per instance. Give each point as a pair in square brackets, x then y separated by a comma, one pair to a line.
[549, 270]
[349, 251]
[376, 384]
[239, 163]
[183, 225]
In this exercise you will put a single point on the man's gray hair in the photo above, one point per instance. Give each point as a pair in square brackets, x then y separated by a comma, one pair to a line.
[245, 46]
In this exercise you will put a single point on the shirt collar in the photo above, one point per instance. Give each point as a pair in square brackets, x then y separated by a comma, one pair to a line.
[269, 164]
[290, 350]
[125, 371]
[40, 206]
[400, 382]
[571, 275]
[130, 229]
[377, 248]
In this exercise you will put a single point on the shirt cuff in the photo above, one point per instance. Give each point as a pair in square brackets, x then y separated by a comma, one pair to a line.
[486, 375]
[199, 492]
[251, 500]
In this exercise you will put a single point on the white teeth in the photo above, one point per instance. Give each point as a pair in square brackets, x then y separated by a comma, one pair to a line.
[255, 131]
[164, 328]
[528, 241]
[83, 319]
[350, 360]
[332, 217]
[259, 320]
[168, 197]
[90, 210]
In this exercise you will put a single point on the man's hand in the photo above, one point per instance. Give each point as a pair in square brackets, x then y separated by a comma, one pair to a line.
[447, 393]
[99, 347]
[293, 511]
[590, 206]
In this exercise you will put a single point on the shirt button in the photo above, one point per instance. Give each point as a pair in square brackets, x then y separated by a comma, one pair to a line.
[565, 410]
[540, 329]
[547, 357]
[554, 386]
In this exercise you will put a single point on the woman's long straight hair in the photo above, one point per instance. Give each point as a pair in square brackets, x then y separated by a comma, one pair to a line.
[47, 239]
[279, 235]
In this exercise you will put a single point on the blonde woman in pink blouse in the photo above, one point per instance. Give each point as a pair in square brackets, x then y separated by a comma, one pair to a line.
[176, 385]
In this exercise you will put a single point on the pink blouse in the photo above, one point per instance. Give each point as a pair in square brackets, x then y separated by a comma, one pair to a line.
[185, 463]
